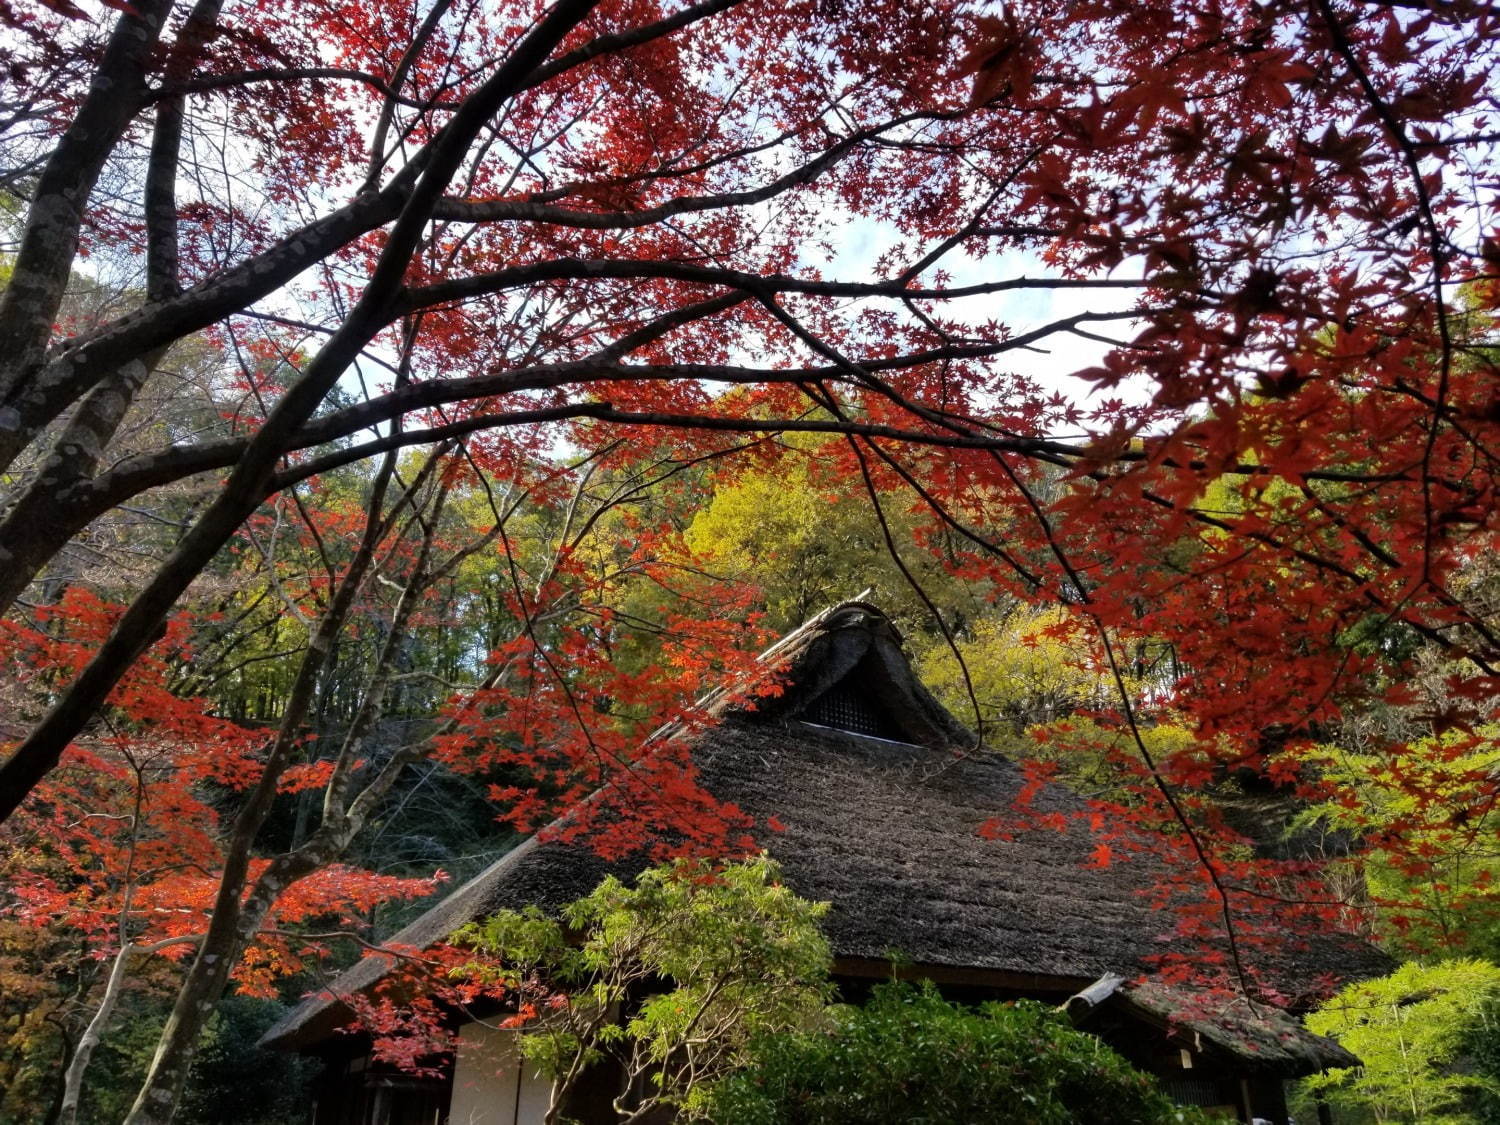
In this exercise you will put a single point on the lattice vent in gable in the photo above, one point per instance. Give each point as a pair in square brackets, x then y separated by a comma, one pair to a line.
[845, 707]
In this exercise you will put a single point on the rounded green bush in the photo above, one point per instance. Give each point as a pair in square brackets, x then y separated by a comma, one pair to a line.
[911, 1056]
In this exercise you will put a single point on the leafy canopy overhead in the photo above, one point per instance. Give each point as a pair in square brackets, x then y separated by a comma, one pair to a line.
[569, 267]
[620, 209]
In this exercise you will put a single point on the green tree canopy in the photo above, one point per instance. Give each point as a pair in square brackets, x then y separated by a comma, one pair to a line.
[1412, 1029]
[798, 532]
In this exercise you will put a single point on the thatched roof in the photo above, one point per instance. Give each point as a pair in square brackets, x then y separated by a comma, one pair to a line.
[883, 827]
[1263, 1039]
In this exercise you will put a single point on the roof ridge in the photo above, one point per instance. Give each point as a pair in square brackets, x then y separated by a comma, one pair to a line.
[712, 698]
[819, 618]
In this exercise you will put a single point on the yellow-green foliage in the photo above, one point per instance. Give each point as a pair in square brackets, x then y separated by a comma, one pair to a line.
[727, 954]
[1031, 673]
[1411, 1030]
[808, 543]
[1441, 890]
[1089, 756]
[1024, 669]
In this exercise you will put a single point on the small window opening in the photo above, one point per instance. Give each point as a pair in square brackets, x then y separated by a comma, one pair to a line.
[843, 708]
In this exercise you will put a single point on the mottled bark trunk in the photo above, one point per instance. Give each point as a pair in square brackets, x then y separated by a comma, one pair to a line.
[36, 527]
[252, 477]
[49, 240]
[231, 929]
[39, 524]
[67, 1113]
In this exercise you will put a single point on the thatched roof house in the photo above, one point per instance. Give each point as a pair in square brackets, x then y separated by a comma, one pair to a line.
[880, 793]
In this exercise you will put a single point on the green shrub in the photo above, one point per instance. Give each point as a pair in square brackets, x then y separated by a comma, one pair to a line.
[701, 958]
[236, 1081]
[911, 1056]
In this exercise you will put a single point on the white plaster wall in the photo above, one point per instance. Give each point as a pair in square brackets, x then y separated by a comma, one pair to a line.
[492, 1085]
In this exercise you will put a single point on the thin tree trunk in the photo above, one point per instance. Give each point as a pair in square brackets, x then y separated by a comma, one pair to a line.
[29, 305]
[72, 1090]
[237, 918]
[197, 998]
[55, 1108]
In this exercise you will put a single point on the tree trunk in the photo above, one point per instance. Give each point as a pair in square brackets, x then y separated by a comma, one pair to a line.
[49, 242]
[234, 924]
[67, 1113]
[196, 1000]
[54, 1110]
[72, 1089]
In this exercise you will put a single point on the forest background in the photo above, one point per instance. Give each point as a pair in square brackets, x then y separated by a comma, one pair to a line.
[404, 411]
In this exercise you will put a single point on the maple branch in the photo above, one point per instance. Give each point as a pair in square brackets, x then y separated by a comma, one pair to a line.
[1436, 250]
[623, 40]
[973, 226]
[143, 471]
[1158, 779]
[894, 553]
[395, 952]
[247, 484]
[663, 325]
[230, 80]
[409, 59]
[505, 210]
[575, 269]
[79, 364]
[956, 525]
[1352, 577]
[605, 412]
[77, 451]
